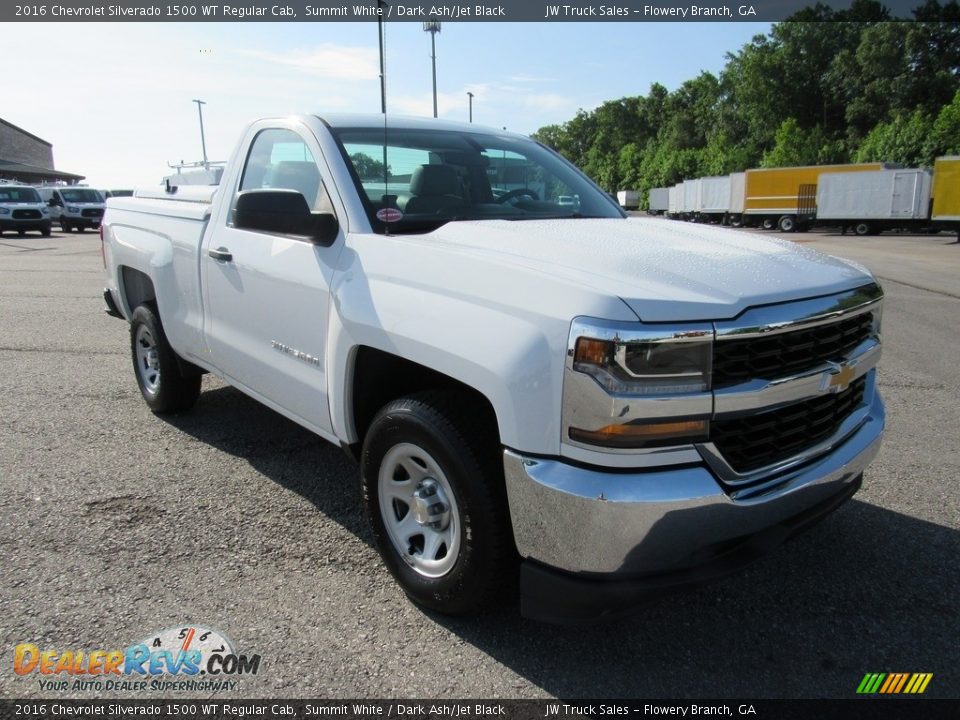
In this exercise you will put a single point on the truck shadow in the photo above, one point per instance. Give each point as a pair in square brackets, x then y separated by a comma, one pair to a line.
[865, 590]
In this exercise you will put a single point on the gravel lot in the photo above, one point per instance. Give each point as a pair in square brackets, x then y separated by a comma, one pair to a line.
[117, 523]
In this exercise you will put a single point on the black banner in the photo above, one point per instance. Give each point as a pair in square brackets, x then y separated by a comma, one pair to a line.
[417, 11]
[217, 708]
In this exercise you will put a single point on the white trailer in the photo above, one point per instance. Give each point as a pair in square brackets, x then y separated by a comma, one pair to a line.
[628, 199]
[691, 198]
[713, 198]
[658, 201]
[738, 187]
[873, 201]
[675, 201]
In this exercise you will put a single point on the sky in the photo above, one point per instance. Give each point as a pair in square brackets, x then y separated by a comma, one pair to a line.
[115, 99]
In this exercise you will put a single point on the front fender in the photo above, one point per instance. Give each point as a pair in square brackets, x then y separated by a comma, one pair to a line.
[464, 317]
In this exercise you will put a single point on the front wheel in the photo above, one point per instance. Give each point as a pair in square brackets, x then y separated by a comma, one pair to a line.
[64, 226]
[435, 498]
[164, 388]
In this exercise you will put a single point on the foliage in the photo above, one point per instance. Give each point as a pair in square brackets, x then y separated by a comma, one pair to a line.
[824, 86]
[367, 168]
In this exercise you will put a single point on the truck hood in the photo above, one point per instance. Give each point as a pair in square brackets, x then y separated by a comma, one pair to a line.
[663, 270]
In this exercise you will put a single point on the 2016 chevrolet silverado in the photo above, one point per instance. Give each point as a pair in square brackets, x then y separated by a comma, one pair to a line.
[625, 405]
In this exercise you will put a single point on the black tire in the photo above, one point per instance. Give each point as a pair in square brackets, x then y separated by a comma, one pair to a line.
[64, 226]
[170, 391]
[21, 233]
[45, 231]
[81, 228]
[443, 426]
[862, 229]
[768, 224]
[787, 224]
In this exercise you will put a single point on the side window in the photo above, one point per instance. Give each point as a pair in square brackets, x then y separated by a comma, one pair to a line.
[281, 159]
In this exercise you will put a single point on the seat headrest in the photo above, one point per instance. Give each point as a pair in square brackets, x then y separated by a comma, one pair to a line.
[435, 180]
[299, 175]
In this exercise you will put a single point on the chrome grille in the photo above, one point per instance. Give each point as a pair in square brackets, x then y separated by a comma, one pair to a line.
[782, 354]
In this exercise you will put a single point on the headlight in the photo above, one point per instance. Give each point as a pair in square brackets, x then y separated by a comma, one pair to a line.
[633, 386]
[664, 366]
[44, 211]
[4, 211]
[72, 209]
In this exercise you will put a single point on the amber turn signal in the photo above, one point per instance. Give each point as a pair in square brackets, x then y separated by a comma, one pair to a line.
[593, 352]
[637, 435]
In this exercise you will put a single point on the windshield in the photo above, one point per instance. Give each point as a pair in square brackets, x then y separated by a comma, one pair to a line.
[432, 177]
[19, 194]
[81, 195]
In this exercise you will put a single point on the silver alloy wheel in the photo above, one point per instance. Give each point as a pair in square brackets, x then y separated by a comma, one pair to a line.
[148, 360]
[419, 510]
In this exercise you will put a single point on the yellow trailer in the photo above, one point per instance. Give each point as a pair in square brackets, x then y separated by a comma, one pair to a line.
[946, 189]
[786, 197]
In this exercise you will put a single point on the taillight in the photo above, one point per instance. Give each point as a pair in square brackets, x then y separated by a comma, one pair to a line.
[103, 252]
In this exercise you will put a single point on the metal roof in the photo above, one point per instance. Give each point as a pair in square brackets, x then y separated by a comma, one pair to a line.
[20, 170]
[369, 120]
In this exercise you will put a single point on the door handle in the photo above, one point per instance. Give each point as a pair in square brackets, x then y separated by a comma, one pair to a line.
[221, 254]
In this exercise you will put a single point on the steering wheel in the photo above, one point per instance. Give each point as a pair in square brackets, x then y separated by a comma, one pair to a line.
[519, 192]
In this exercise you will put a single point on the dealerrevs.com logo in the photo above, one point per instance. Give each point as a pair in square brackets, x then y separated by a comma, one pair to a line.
[188, 657]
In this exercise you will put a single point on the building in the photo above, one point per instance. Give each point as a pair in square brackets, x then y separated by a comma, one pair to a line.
[28, 159]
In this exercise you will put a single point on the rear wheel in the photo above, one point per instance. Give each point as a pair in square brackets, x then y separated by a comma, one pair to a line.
[81, 228]
[787, 224]
[862, 228]
[164, 388]
[435, 498]
[768, 224]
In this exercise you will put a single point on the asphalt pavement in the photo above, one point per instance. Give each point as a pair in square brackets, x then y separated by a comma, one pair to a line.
[117, 523]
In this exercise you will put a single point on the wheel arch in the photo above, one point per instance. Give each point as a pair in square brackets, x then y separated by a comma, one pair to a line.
[377, 377]
[136, 288]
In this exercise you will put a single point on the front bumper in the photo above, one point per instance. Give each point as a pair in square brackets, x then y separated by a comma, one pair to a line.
[597, 542]
[9, 223]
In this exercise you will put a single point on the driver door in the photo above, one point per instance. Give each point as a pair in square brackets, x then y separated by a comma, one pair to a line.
[268, 295]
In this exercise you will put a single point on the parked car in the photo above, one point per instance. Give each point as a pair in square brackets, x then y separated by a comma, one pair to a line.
[75, 208]
[22, 209]
[621, 408]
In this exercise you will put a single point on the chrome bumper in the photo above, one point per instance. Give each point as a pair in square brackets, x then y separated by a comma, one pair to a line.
[633, 524]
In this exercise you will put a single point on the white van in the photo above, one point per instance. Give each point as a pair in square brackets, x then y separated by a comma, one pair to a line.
[74, 207]
[22, 209]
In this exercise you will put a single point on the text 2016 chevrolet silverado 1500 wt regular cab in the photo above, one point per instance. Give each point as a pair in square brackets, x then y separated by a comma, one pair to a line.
[623, 404]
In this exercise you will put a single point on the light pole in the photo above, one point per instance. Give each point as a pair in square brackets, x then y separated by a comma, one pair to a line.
[203, 140]
[433, 28]
[470, 95]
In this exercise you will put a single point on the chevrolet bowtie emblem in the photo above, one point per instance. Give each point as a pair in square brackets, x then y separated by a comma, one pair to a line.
[838, 380]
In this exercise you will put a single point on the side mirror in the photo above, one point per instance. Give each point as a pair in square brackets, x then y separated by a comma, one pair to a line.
[52, 202]
[284, 212]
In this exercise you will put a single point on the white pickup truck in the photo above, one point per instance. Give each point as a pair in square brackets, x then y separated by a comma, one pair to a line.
[617, 406]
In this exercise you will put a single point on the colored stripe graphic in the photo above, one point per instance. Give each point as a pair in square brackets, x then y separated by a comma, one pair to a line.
[894, 683]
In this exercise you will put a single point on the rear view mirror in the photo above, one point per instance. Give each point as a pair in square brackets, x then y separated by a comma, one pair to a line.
[285, 212]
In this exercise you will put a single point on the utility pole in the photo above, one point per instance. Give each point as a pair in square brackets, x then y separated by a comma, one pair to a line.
[470, 95]
[433, 28]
